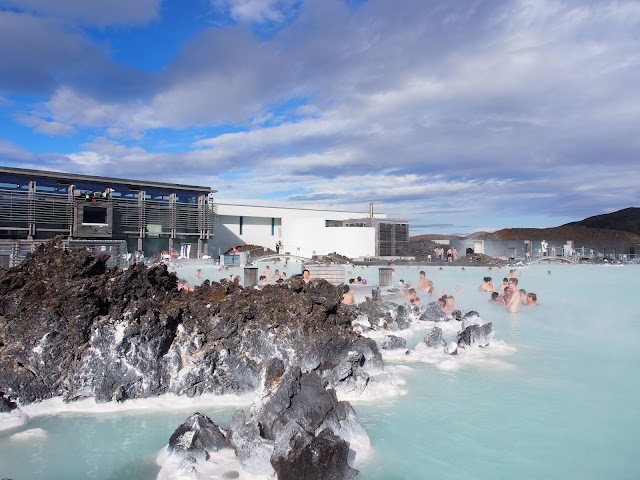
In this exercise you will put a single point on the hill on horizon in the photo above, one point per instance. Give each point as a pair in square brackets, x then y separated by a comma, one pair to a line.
[623, 224]
[626, 220]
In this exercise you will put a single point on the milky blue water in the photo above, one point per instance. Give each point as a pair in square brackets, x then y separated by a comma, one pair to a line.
[563, 403]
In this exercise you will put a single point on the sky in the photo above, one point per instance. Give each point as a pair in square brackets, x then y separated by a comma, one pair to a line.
[458, 116]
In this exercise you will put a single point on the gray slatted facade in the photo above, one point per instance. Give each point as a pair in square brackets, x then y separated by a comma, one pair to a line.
[149, 216]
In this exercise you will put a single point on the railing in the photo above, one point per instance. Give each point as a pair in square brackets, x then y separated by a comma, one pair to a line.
[577, 254]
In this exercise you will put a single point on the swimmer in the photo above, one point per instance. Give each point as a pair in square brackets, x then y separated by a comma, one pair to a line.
[197, 274]
[514, 299]
[523, 296]
[487, 286]
[432, 290]
[505, 284]
[532, 300]
[415, 302]
[495, 298]
[506, 295]
[450, 306]
[305, 276]
[442, 303]
[423, 282]
[267, 273]
[411, 294]
[347, 295]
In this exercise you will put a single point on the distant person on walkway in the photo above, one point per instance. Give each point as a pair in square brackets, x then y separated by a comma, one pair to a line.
[347, 295]
[305, 276]
[544, 246]
[449, 255]
[278, 246]
[455, 254]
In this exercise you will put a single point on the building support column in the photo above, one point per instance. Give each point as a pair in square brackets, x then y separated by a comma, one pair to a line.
[31, 210]
[142, 219]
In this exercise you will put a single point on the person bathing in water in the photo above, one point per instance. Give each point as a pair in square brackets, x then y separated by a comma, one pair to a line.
[487, 286]
[514, 298]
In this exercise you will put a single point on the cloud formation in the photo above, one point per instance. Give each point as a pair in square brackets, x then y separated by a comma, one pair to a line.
[461, 114]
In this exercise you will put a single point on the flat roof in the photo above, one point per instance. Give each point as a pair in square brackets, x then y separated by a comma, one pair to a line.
[93, 178]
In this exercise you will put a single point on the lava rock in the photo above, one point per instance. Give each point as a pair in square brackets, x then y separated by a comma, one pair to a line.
[432, 313]
[198, 436]
[391, 341]
[480, 335]
[434, 339]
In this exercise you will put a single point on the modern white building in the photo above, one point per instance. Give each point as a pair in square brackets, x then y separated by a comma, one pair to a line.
[307, 232]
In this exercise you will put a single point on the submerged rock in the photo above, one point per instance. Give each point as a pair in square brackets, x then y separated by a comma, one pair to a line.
[433, 313]
[451, 348]
[197, 437]
[434, 339]
[391, 341]
[480, 335]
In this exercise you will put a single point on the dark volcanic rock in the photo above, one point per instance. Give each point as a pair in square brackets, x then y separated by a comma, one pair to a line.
[433, 313]
[434, 339]
[6, 404]
[385, 315]
[323, 458]
[70, 327]
[391, 341]
[297, 429]
[480, 335]
[198, 436]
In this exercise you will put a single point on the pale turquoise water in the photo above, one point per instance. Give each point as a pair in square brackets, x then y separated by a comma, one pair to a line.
[564, 405]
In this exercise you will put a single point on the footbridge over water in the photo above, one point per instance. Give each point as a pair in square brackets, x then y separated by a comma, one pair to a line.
[552, 259]
[563, 255]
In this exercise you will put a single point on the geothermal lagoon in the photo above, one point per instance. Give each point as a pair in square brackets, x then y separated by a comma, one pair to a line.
[553, 396]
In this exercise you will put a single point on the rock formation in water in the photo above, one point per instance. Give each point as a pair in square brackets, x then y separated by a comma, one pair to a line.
[70, 327]
[297, 429]
[480, 335]
[434, 339]
[433, 313]
[391, 341]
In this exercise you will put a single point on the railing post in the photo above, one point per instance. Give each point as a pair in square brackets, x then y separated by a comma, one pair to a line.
[384, 277]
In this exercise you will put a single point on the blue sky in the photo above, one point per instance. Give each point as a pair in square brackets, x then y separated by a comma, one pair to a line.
[457, 116]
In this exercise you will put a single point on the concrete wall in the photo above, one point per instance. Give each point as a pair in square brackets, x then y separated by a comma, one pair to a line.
[311, 234]
[300, 231]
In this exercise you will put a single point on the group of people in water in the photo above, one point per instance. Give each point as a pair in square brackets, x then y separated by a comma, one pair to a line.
[508, 292]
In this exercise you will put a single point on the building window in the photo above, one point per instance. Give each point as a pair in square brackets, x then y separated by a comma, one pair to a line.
[333, 223]
[241, 222]
[94, 216]
[273, 226]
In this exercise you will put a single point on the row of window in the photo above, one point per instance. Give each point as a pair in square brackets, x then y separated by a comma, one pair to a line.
[44, 185]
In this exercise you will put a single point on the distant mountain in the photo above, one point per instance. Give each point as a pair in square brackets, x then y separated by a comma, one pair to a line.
[621, 225]
[626, 220]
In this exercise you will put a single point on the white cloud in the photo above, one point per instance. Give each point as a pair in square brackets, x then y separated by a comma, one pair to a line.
[258, 11]
[40, 125]
[94, 12]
